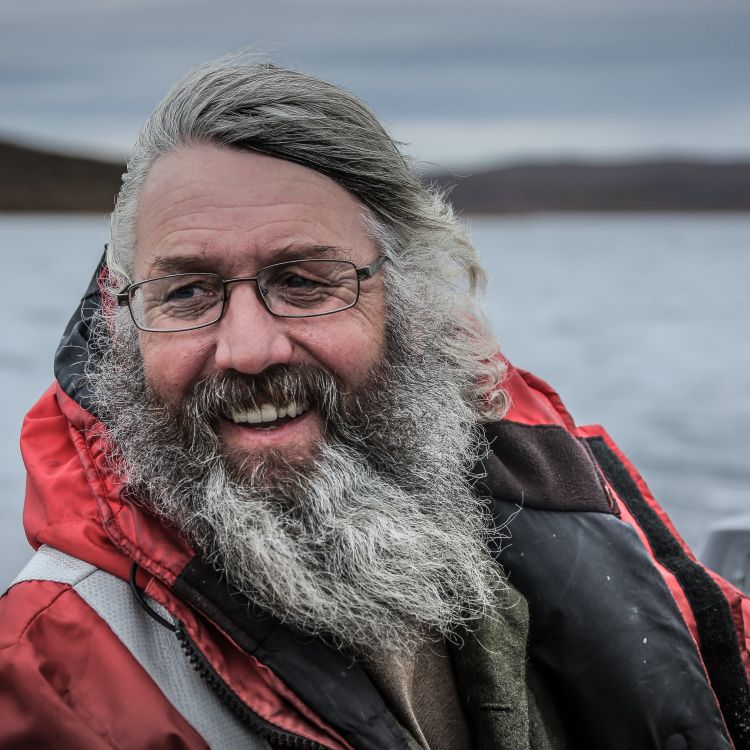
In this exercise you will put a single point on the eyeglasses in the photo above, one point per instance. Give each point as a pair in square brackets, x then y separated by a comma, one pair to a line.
[293, 289]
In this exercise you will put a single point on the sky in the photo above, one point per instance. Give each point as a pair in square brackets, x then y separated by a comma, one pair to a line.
[475, 82]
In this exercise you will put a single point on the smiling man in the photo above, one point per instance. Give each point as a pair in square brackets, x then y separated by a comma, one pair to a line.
[277, 476]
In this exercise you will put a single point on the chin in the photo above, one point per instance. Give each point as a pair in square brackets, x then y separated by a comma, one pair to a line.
[269, 466]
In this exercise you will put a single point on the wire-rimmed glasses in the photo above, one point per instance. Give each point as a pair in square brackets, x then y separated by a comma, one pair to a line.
[292, 289]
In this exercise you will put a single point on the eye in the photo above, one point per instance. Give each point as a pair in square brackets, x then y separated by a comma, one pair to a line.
[295, 281]
[184, 292]
[190, 292]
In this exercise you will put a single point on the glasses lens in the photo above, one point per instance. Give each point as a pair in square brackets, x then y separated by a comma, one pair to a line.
[309, 287]
[177, 303]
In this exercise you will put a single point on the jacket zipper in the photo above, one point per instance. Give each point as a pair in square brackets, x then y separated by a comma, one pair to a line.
[278, 737]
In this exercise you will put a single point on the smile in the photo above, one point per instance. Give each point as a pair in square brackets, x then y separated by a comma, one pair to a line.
[268, 416]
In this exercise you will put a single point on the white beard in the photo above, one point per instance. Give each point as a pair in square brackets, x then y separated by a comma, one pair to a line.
[376, 541]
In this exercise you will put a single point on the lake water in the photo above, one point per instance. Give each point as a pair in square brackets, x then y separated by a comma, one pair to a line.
[641, 322]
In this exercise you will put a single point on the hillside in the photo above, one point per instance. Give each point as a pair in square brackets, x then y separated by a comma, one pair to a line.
[570, 186]
[33, 179]
[36, 180]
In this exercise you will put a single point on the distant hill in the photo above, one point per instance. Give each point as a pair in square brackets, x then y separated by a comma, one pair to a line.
[33, 179]
[37, 180]
[628, 186]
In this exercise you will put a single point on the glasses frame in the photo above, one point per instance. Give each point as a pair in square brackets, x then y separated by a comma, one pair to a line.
[125, 295]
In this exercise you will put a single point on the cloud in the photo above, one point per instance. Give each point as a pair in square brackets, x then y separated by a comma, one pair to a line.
[66, 65]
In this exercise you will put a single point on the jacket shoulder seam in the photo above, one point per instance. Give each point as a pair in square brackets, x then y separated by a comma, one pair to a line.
[64, 587]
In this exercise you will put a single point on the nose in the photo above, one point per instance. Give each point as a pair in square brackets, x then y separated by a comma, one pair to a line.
[248, 338]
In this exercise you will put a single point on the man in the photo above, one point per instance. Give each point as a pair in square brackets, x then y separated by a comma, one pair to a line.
[280, 416]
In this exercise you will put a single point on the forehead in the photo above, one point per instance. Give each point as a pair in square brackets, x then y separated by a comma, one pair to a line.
[237, 210]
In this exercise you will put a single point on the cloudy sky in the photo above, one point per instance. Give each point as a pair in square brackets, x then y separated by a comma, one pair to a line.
[463, 83]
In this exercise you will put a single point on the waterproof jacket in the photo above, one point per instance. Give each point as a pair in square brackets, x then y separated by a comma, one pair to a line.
[638, 645]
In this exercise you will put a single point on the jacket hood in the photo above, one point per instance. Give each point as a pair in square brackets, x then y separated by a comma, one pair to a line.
[73, 351]
[74, 502]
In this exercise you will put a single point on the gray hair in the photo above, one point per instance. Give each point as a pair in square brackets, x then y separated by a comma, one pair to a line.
[244, 104]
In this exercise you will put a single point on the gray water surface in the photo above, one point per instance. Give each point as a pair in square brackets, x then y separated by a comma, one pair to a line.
[641, 322]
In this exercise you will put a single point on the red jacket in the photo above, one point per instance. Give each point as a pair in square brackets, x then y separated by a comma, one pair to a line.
[67, 682]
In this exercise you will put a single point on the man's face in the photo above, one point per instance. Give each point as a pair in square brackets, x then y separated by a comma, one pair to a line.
[356, 520]
[231, 212]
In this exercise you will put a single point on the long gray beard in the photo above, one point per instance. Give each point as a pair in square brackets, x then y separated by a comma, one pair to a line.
[375, 542]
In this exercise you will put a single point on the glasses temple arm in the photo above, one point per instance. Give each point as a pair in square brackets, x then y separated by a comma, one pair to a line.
[367, 272]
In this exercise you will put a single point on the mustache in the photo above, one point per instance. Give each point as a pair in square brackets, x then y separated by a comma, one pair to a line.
[221, 393]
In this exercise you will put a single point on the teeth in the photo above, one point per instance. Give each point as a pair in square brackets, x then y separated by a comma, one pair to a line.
[252, 416]
[269, 413]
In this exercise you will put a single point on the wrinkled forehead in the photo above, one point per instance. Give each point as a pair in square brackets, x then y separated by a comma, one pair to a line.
[242, 210]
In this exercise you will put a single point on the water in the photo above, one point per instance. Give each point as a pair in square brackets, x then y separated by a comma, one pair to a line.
[641, 322]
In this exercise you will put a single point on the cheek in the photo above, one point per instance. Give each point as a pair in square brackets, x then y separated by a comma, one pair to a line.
[349, 348]
[171, 366]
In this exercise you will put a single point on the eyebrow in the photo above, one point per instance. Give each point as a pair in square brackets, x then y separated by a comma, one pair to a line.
[179, 263]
